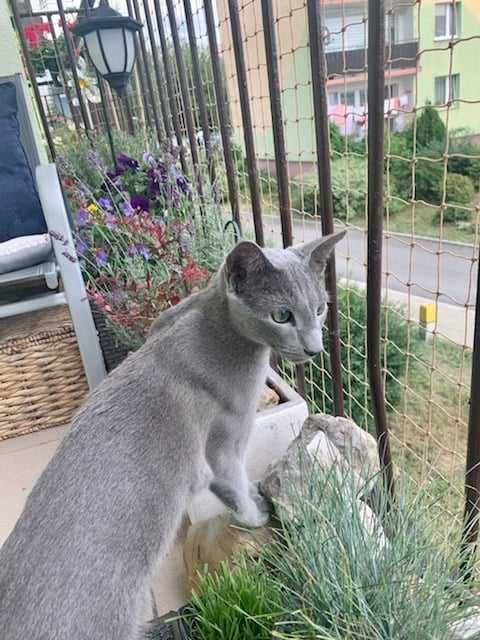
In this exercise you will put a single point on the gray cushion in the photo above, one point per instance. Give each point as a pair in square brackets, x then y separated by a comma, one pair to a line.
[24, 252]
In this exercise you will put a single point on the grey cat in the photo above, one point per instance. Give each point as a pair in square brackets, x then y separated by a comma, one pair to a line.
[173, 419]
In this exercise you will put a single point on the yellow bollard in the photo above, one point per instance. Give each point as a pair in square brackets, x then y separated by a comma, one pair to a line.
[428, 317]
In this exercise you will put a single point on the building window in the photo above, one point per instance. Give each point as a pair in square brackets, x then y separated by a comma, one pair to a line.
[333, 98]
[447, 88]
[447, 20]
[391, 91]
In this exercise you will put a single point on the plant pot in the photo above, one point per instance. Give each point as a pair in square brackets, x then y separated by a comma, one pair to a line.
[114, 352]
[169, 627]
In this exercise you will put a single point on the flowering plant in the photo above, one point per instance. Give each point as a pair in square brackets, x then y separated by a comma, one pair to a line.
[133, 240]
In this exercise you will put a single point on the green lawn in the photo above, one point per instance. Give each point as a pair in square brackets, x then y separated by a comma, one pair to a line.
[421, 223]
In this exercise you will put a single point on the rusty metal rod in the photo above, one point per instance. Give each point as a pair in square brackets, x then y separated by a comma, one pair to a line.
[187, 105]
[73, 64]
[322, 138]
[472, 471]
[279, 143]
[31, 75]
[158, 72]
[376, 83]
[141, 64]
[199, 93]
[251, 160]
[61, 67]
[222, 111]
[151, 95]
[169, 75]
[277, 121]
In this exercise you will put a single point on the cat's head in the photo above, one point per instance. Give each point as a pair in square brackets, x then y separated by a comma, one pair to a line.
[277, 297]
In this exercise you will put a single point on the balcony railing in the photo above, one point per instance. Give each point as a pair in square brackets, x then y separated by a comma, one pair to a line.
[402, 55]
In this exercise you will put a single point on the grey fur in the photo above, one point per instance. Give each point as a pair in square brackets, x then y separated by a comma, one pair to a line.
[174, 418]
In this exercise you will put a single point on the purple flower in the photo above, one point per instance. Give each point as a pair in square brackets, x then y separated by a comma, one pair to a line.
[112, 175]
[183, 184]
[109, 219]
[101, 257]
[139, 249]
[139, 201]
[148, 158]
[81, 218]
[142, 250]
[105, 203]
[127, 209]
[154, 179]
[80, 247]
[126, 162]
[93, 158]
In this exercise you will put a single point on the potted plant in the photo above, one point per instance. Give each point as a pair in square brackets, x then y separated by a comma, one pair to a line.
[133, 236]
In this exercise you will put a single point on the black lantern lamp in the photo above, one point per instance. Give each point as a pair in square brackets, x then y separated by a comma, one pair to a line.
[109, 39]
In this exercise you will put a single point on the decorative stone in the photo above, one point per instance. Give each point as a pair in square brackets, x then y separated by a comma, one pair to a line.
[467, 629]
[213, 541]
[356, 445]
[268, 399]
[332, 443]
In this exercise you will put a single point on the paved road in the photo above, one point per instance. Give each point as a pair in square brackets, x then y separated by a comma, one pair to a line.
[424, 268]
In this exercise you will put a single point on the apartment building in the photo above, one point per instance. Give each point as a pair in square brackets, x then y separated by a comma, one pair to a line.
[448, 72]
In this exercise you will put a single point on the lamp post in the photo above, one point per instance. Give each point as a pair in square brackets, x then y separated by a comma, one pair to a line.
[109, 39]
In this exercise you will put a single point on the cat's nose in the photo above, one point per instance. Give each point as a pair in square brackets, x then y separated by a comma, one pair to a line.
[310, 354]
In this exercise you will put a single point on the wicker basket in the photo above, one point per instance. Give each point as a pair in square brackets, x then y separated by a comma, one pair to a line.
[42, 381]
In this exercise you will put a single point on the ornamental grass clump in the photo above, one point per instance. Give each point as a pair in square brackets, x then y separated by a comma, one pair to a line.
[336, 571]
[135, 239]
[347, 575]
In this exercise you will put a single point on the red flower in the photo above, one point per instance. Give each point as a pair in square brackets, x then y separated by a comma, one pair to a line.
[192, 273]
[34, 33]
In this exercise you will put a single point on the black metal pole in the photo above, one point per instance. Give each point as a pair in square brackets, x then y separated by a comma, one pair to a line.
[107, 122]
[73, 64]
[158, 72]
[376, 82]
[158, 125]
[251, 160]
[187, 106]
[222, 113]
[472, 472]
[319, 78]
[200, 96]
[31, 75]
[271, 57]
[170, 88]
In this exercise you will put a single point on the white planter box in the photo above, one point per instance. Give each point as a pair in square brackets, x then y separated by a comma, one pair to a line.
[275, 428]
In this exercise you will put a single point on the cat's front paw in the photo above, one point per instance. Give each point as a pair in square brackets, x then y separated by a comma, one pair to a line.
[255, 514]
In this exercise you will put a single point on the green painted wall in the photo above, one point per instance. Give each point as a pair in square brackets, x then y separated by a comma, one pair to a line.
[297, 105]
[465, 62]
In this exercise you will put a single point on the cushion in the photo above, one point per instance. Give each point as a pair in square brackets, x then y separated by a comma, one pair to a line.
[21, 212]
[24, 252]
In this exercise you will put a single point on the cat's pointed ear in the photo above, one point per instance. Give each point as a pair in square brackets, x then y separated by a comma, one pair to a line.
[318, 251]
[244, 260]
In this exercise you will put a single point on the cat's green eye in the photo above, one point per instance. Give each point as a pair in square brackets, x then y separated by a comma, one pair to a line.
[282, 316]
